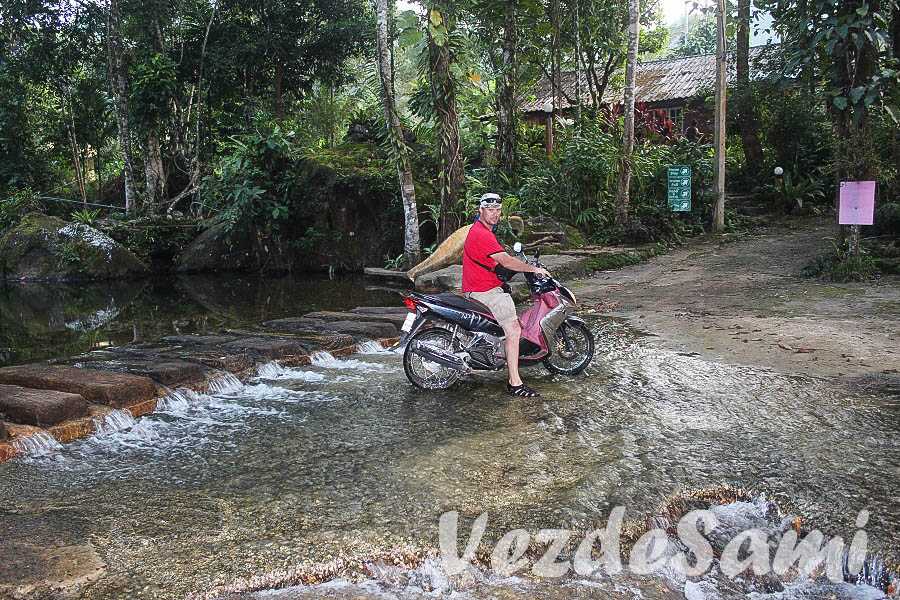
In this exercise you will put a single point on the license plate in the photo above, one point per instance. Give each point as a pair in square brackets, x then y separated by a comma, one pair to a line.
[407, 324]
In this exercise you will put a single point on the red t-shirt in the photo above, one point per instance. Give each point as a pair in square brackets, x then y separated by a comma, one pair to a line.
[480, 244]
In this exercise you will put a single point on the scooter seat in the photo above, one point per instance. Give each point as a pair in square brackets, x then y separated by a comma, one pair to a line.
[456, 301]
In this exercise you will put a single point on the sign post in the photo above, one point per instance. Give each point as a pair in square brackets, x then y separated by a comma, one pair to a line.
[857, 207]
[679, 188]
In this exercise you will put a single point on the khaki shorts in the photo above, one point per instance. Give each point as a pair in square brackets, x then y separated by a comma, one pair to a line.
[500, 303]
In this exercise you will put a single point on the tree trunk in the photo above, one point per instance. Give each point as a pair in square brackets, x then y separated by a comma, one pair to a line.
[577, 18]
[411, 245]
[507, 115]
[451, 178]
[719, 119]
[747, 121]
[154, 172]
[623, 198]
[279, 93]
[595, 102]
[80, 174]
[119, 82]
[555, 79]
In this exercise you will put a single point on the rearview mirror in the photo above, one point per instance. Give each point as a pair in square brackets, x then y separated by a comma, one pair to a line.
[517, 247]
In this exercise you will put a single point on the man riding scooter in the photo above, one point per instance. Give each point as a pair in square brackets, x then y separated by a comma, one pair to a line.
[482, 254]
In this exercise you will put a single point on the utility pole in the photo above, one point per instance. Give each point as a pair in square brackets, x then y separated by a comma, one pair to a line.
[623, 198]
[719, 125]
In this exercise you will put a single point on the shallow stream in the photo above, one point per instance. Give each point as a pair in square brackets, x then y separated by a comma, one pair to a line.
[344, 457]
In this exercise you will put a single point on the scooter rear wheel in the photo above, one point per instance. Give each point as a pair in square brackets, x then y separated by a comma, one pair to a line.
[571, 350]
[424, 373]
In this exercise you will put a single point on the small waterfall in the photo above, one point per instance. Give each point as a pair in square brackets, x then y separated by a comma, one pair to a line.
[371, 347]
[873, 572]
[38, 444]
[323, 358]
[117, 420]
[178, 401]
[224, 383]
[273, 371]
[326, 360]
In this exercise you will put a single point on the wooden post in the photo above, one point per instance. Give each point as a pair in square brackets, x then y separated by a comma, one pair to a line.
[548, 133]
[719, 126]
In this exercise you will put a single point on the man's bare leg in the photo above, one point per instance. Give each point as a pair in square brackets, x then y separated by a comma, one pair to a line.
[513, 333]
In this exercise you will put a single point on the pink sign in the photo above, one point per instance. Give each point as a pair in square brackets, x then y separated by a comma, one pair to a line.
[857, 202]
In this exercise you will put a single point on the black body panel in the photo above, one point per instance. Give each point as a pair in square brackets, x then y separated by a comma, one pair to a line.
[461, 311]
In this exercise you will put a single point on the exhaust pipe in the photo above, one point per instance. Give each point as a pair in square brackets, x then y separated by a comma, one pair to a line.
[439, 356]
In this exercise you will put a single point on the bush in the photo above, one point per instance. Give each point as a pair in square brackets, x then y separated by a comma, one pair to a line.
[280, 202]
[578, 184]
[887, 219]
[841, 266]
[17, 206]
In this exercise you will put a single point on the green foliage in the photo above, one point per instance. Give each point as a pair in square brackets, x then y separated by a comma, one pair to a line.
[155, 240]
[578, 184]
[288, 201]
[887, 219]
[841, 265]
[13, 208]
[86, 216]
[794, 127]
[154, 85]
[700, 38]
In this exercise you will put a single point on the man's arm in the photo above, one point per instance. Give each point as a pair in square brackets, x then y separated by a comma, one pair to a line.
[514, 264]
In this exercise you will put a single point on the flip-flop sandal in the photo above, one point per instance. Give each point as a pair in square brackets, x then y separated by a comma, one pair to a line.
[523, 391]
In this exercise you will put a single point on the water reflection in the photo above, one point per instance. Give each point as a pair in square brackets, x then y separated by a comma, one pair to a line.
[39, 321]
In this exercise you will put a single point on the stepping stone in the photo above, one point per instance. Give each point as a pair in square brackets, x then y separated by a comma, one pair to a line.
[395, 319]
[203, 340]
[380, 310]
[387, 274]
[42, 408]
[96, 387]
[305, 325]
[367, 329]
[268, 347]
[166, 372]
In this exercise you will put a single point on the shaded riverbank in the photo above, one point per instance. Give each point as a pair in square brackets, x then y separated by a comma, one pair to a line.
[41, 321]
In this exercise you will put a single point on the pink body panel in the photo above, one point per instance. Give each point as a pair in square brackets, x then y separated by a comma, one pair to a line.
[531, 318]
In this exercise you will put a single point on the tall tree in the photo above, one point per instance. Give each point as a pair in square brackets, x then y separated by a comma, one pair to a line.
[623, 197]
[411, 245]
[746, 118]
[451, 178]
[719, 119]
[507, 109]
[850, 55]
[118, 79]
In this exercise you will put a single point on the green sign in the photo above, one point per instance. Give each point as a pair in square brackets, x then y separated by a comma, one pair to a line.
[680, 188]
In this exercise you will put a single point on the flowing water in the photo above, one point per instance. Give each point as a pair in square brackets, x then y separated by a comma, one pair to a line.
[344, 457]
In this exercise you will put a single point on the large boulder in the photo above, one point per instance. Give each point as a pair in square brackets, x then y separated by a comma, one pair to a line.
[217, 250]
[44, 248]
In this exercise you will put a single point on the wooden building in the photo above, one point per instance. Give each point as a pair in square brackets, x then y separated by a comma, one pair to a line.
[671, 88]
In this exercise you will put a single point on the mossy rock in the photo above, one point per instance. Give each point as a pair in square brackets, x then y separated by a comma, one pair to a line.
[44, 248]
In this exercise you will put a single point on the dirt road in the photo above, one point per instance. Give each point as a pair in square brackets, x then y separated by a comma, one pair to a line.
[745, 302]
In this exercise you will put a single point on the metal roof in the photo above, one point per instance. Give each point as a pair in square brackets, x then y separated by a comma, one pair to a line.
[655, 81]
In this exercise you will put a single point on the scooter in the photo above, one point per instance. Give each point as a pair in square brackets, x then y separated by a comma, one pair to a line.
[448, 336]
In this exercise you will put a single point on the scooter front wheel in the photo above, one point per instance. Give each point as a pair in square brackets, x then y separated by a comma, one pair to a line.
[571, 349]
[424, 373]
